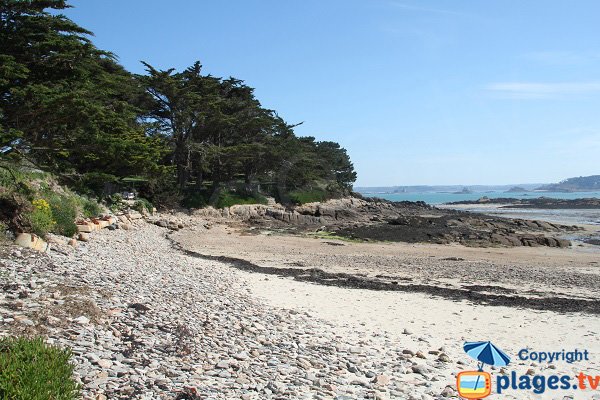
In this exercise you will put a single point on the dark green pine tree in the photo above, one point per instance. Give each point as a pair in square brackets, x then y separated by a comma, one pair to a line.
[69, 102]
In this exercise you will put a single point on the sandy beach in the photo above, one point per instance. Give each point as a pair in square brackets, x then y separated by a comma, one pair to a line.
[152, 313]
[421, 321]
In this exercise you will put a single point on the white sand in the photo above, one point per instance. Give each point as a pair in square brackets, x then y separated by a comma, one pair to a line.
[436, 322]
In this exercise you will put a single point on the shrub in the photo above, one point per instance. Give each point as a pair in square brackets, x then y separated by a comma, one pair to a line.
[115, 202]
[307, 196]
[41, 218]
[194, 200]
[90, 208]
[33, 370]
[229, 198]
[64, 211]
[142, 204]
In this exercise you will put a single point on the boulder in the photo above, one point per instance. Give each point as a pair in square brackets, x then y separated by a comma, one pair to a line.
[84, 237]
[32, 241]
[134, 215]
[85, 227]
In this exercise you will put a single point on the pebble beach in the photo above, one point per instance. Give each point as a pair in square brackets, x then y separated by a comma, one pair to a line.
[147, 321]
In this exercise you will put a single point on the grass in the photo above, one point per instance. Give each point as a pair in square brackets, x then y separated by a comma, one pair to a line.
[225, 198]
[308, 196]
[33, 370]
[228, 199]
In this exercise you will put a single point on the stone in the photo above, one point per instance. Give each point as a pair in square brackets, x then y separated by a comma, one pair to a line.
[381, 380]
[82, 320]
[84, 237]
[104, 363]
[31, 241]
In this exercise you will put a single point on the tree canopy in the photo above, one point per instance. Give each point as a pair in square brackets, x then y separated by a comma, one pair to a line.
[77, 112]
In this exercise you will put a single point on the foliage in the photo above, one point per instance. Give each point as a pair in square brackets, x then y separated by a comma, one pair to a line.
[90, 208]
[229, 198]
[70, 108]
[40, 218]
[307, 196]
[70, 103]
[142, 204]
[30, 369]
[115, 202]
[64, 210]
[195, 200]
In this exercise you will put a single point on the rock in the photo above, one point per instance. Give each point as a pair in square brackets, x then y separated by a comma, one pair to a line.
[420, 369]
[444, 358]
[31, 241]
[82, 320]
[104, 363]
[85, 227]
[381, 380]
[84, 237]
[132, 215]
[241, 356]
[72, 243]
[125, 226]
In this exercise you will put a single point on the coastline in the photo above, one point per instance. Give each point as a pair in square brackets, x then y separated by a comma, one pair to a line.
[145, 319]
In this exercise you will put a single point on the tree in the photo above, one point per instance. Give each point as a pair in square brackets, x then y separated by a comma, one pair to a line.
[71, 103]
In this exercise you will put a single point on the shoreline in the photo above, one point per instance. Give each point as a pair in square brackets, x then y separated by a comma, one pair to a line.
[477, 294]
[144, 319]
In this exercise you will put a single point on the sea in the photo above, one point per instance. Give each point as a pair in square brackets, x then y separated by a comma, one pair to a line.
[561, 216]
[435, 198]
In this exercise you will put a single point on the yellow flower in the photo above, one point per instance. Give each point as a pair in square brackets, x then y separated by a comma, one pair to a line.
[41, 205]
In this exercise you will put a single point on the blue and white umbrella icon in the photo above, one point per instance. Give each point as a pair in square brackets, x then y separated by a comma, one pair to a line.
[486, 353]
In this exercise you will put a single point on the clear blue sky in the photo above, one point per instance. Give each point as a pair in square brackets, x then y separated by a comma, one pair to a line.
[419, 92]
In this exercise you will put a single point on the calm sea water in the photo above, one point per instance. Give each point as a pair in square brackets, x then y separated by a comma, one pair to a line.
[440, 198]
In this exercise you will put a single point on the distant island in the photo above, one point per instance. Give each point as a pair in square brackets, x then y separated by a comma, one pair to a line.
[579, 184]
[464, 190]
[517, 189]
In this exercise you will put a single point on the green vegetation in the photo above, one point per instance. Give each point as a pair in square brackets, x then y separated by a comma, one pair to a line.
[143, 204]
[32, 201]
[176, 137]
[90, 207]
[40, 218]
[307, 196]
[32, 370]
[64, 211]
[229, 198]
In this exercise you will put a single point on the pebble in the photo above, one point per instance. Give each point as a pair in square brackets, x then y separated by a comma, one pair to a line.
[146, 321]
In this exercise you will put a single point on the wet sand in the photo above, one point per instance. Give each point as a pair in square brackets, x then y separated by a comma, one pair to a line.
[420, 320]
[517, 276]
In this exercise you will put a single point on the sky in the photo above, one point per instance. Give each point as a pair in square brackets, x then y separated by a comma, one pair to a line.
[419, 92]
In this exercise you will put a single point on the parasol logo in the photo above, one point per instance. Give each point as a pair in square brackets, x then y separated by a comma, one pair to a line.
[478, 384]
